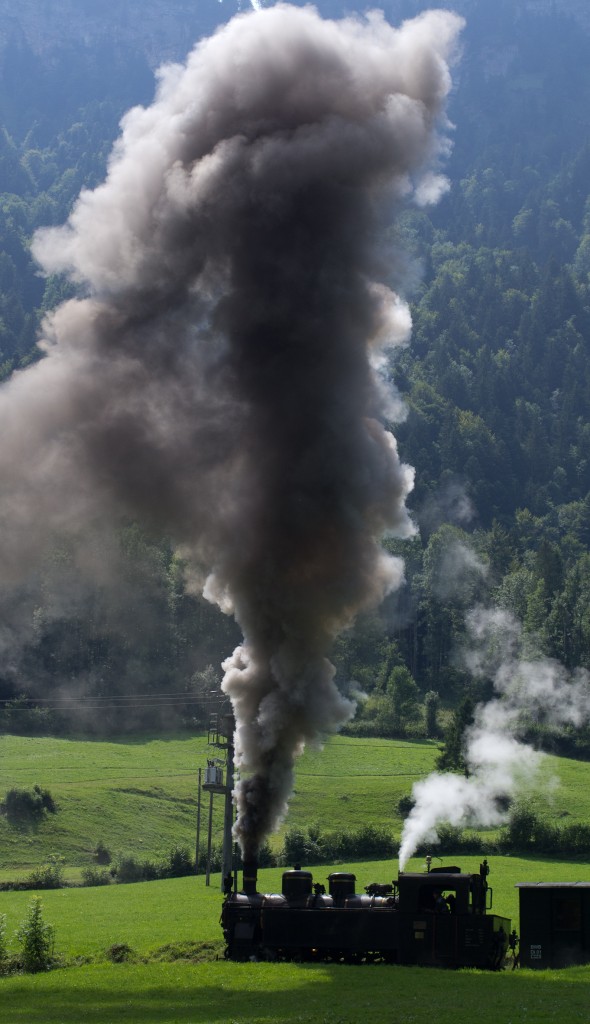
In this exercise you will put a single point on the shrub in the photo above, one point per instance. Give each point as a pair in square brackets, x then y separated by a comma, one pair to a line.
[527, 832]
[216, 857]
[128, 869]
[576, 839]
[266, 857]
[296, 846]
[101, 855]
[120, 953]
[3, 949]
[47, 802]
[404, 805]
[371, 841]
[452, 839]
[49, 876]
[37, 939]
[523, 830]
[301, 847]
[179, 863]
[22, 805]
[96, 876]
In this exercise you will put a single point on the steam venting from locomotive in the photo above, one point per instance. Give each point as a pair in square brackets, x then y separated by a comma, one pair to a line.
[220, 374]
[501, 766]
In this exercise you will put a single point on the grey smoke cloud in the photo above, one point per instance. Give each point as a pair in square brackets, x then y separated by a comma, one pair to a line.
[527, 689]
[220, 375]
[450, 504]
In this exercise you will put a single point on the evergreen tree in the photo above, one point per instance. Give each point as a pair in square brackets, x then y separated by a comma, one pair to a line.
[452, 753]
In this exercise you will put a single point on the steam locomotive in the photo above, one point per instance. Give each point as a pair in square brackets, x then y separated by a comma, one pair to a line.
[439, 917]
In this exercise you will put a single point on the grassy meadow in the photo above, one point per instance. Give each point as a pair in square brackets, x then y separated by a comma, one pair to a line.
[167, 923]
[220, 993]
[139, 796]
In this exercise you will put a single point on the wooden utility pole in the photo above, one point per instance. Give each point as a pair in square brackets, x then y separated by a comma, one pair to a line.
[228, 817]
[209, 836]
[198, 838]
[221, 735]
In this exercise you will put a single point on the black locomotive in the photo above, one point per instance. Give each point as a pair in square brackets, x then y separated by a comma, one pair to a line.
[439, 918]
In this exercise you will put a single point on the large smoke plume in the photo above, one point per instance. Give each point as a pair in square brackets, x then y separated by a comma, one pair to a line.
[218, 375]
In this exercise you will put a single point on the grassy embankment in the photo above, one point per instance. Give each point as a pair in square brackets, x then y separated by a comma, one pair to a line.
[139, 797]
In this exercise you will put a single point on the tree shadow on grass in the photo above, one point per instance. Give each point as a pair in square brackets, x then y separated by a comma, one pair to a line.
[322, 995]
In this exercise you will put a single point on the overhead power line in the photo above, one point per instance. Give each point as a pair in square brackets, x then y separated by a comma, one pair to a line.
[213, 699]
[128, 702]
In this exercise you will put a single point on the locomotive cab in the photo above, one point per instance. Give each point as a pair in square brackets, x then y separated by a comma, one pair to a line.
[444, 890]
[444, 919]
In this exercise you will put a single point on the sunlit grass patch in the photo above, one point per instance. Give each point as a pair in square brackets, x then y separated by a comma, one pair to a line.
[224, 993]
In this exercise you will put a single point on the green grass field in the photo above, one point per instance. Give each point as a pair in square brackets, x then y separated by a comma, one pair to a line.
[293, 994]
[152, 915]
[139, 797]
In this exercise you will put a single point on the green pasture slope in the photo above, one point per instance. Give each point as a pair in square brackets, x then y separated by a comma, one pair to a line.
[139, 797]
[155, 916]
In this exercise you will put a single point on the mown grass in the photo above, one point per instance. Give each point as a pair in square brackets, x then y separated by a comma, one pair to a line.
[139, 796]
[144, 916]
[352, 782]
[221, 993]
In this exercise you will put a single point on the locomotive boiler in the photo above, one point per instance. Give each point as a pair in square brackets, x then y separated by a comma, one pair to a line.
[440, 917]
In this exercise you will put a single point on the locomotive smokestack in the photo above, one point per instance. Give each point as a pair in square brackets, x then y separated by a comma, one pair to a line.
[250, 877]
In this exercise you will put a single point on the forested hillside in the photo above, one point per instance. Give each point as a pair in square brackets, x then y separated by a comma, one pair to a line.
[496, 378]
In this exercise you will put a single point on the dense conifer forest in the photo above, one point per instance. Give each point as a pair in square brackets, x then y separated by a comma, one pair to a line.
[496, 380]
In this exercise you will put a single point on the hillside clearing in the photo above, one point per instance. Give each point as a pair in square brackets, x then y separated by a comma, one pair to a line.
[139, 797]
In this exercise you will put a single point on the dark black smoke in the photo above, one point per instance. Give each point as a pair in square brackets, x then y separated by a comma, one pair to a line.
[218, 377]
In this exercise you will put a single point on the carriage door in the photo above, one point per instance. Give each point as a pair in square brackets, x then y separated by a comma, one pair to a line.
[445, 933]
[568, 939]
